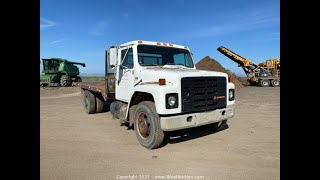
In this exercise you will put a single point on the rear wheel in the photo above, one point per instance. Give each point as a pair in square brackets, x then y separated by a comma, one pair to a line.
[78, 79]
[147, 125]
[264, 82]
[65, 81]
[99, 103]
[275, 83]
[89, 102]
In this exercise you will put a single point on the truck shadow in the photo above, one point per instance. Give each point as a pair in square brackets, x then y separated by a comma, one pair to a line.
[189, 134]
[179, 136]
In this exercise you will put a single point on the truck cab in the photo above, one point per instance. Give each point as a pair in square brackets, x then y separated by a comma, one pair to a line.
[155, 87]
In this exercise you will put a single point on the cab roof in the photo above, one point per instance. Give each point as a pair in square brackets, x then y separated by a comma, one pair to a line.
[158, 43]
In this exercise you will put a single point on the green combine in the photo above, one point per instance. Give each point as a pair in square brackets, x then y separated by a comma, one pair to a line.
[60, 72]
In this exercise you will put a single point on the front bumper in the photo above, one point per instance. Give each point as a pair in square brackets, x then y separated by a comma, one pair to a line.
[184, 121]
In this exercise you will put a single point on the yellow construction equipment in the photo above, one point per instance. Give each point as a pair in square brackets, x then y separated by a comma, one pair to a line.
[272, 65]
[263, 74]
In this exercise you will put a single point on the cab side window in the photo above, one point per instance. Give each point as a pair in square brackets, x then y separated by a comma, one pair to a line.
[128, 61]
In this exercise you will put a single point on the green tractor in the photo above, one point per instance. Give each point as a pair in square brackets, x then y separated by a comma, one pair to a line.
[59, 71]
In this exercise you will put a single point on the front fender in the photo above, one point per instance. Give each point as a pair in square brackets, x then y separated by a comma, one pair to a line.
[159, 93]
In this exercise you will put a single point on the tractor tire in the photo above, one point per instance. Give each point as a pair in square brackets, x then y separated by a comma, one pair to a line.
[65, 81]
[147, 125]
[264, 83]
[275, 83]
[78, 79]
[99, 103]
[217, 126]
[89, 102]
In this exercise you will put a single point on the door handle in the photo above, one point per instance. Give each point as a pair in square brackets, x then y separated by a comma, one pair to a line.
[127, 70]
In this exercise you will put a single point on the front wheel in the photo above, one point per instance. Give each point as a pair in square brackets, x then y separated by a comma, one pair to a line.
[147, 125]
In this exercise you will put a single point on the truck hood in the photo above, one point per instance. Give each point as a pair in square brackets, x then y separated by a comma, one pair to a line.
[174, 73]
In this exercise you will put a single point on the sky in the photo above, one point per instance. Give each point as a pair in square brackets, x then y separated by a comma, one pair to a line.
[81, 30]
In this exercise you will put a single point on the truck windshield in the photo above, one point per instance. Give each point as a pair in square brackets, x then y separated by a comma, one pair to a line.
[149, 55]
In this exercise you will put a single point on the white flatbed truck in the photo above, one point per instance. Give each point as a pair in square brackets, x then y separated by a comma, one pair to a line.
[155, 87]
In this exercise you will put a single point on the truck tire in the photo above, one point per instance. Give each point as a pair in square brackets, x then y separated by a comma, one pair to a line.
[147, 125]
[89, 102]
[65, 81]
[99, 103]
[275, 83]
[264, 82]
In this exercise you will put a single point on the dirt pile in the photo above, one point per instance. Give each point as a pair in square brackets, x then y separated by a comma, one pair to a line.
[210, 64]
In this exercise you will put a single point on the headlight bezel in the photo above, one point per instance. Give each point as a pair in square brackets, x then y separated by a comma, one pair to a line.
[233, 92]
[176, 104]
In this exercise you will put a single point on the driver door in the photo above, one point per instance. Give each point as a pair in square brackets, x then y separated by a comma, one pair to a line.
[125, 76]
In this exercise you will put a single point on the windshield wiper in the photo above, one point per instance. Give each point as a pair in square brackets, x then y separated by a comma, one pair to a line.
[150, 65]
[174, 64]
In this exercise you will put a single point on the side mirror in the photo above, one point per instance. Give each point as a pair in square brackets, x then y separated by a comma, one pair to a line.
[113, 56]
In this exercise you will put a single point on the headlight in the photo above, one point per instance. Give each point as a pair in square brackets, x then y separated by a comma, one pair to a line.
[231, 94]
[171, 100]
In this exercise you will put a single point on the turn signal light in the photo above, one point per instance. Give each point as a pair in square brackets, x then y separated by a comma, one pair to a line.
[162, 82]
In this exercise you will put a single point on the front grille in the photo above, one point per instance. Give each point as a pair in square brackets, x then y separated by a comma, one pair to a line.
[203, 93]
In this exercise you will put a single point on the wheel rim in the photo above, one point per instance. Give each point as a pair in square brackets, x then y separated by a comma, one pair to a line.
[143, 125]
[265, 83]
[276, 83]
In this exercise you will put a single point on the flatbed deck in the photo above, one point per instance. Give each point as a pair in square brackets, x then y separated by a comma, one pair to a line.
[105, 88]
[94, 86]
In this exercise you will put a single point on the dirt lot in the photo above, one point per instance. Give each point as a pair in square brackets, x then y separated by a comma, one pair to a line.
[75, 145]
